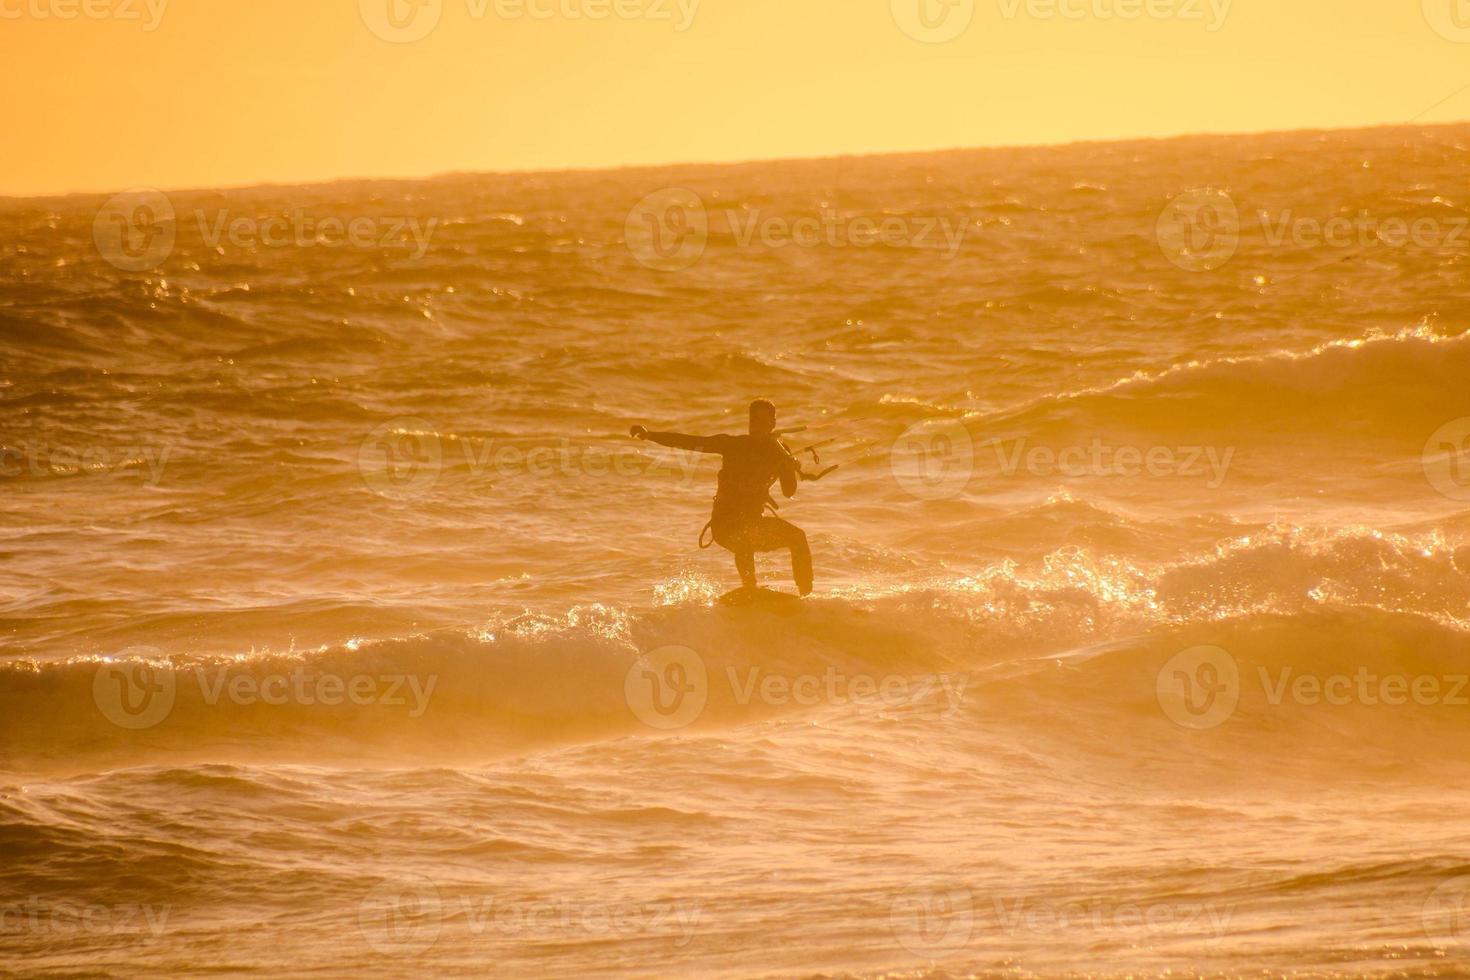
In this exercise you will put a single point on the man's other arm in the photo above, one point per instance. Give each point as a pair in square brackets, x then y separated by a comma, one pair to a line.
[677, 440]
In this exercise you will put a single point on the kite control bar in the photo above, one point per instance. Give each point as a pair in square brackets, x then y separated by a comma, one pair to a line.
[816, 456]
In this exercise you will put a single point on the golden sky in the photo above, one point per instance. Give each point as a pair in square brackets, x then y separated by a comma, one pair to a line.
[106, 94]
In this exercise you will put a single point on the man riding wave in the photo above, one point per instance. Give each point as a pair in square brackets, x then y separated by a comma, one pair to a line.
[751, 463]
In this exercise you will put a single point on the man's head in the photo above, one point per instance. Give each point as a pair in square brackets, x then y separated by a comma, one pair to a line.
[762, 417]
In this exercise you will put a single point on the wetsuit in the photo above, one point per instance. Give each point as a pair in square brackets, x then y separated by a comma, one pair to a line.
[739, 521]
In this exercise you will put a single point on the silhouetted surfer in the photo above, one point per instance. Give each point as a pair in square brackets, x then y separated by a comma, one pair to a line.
[751, 464]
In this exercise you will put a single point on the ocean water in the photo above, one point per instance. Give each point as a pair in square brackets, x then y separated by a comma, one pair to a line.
[344, 631]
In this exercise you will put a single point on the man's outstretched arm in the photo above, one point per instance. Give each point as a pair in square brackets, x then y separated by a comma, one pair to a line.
[677, 440]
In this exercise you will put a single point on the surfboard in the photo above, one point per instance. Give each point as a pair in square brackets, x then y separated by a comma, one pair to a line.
[760, 597]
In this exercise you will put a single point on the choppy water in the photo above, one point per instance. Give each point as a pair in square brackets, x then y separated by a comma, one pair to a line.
[345, 631]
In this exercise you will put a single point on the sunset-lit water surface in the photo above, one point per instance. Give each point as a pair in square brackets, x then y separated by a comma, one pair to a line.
[371, 519]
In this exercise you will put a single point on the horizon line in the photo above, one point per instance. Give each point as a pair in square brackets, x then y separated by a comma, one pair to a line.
[684, 164]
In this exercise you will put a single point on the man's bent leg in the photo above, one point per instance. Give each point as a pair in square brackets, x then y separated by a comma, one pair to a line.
[774, 534]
